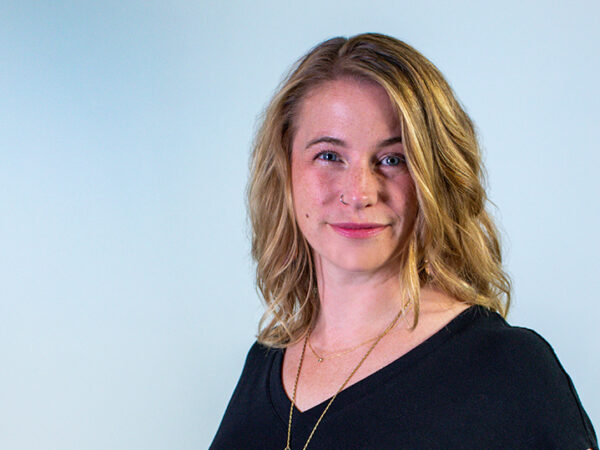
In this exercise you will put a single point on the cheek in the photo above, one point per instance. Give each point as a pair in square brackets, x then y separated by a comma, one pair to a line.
[405, 199]
[312, 204]
[308, 199]
[301, 197]
[311, 190]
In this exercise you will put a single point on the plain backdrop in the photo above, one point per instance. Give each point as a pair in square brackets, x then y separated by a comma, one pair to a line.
[127, 301]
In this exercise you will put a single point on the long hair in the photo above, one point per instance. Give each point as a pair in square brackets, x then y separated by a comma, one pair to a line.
[454, 243]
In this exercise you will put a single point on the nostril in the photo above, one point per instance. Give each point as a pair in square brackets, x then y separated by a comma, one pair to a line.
[361, 187]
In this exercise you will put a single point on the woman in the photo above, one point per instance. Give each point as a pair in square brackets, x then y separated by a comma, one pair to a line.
[381, 272]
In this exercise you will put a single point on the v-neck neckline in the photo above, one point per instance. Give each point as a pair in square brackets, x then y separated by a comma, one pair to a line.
[307, 418]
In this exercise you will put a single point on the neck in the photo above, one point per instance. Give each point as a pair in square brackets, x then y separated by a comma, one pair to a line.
[355, 306]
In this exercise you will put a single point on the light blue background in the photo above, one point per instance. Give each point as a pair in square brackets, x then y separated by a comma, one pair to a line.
[126, 288]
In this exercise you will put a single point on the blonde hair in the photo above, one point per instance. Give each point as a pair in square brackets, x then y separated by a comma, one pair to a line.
[454, 243]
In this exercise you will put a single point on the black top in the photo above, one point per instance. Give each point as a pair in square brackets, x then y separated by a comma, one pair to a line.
[476, 383]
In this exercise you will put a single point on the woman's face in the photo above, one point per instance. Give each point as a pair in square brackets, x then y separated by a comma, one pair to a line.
[354, 198]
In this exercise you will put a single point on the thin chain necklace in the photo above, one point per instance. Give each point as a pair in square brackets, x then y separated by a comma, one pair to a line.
[289, 433]
[337, 354]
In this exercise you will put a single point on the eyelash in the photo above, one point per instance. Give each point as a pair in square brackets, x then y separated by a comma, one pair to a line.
[400, 156]
[320, 156]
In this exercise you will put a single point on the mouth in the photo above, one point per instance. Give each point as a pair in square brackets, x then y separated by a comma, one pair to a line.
[358, 230]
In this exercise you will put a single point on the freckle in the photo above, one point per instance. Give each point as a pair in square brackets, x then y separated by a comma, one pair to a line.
[307, 216]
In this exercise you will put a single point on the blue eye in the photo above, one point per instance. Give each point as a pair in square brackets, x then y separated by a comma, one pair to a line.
[393, 160]
[328, 156]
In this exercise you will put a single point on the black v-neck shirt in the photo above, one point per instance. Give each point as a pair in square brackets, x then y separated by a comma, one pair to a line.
[478, 383]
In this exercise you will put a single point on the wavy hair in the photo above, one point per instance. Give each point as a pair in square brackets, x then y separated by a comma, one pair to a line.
[454, 243]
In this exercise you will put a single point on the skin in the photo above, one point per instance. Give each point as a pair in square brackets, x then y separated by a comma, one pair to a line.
[348, 142]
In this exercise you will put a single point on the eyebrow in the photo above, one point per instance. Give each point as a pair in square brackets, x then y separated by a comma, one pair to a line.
[342, 143]
[391, 141]
[328, 140]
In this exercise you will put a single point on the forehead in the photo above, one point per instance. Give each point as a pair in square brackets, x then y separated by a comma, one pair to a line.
[347, 104]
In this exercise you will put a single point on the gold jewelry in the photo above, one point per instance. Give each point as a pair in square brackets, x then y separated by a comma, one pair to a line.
[337, 354]
[379, 338]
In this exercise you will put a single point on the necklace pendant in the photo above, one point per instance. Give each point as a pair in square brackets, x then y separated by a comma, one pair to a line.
[287, 448]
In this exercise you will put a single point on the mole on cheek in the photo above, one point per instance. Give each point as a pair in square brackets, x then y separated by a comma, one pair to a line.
[307, 216]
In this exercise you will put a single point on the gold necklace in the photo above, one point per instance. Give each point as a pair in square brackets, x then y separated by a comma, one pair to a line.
[289, 433]
[337, 354]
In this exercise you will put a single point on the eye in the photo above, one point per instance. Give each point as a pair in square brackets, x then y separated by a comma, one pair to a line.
[393, 160]
[328, 156]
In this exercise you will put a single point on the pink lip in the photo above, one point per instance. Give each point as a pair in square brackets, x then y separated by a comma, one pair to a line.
[358, 230]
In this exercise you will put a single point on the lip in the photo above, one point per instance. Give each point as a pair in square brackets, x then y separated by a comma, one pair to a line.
[358, 230]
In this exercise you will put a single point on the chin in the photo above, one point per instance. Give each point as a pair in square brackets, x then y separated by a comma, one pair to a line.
[360, 262]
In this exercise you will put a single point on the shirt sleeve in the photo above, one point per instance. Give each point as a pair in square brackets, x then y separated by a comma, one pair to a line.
[553, 409]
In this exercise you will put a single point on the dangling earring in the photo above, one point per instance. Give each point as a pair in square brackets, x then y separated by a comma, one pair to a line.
[427, 267]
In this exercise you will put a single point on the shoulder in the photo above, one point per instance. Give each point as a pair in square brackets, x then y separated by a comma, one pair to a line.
[258, 351]
[519, 371]
[516, 352]
[259, 356]
[256, 370]
[520, 349]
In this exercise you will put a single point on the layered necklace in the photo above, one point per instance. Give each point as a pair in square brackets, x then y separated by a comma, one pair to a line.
[321, 359]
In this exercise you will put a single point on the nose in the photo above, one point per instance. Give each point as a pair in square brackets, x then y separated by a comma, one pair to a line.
[361, 188]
